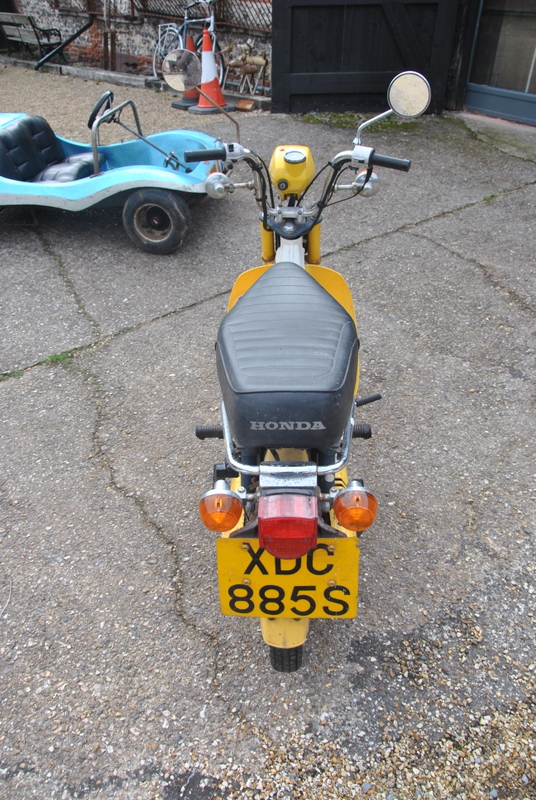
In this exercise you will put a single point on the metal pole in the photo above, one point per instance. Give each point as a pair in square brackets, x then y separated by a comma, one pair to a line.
[65, 43]
[527, 87]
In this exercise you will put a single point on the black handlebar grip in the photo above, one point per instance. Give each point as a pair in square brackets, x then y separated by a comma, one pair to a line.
[209, 431]
[371, 398]
[361, 432]
[216, 154]
[378, 160]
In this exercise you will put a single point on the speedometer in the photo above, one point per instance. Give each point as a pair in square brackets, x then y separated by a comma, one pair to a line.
[295, 156]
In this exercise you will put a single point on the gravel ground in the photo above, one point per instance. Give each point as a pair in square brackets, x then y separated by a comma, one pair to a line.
[120, 680]
[77, 96]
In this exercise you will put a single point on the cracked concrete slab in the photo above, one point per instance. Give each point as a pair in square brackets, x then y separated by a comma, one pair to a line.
[117, 294]
[120, 677]
[40, 315]
[493, 234]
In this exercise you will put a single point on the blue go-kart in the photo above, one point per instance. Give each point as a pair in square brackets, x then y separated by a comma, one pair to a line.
[146, 175]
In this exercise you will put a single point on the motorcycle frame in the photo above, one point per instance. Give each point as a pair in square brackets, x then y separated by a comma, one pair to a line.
[291, 633]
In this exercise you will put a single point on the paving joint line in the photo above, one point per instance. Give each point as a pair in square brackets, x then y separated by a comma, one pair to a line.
[516, 298]
[104, 341]
[408, 226]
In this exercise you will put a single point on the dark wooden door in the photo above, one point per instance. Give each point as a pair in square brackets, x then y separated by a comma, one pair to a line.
[6, 7]
[342, 55]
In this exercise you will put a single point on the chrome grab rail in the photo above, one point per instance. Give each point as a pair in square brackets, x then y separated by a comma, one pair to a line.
[250, 469]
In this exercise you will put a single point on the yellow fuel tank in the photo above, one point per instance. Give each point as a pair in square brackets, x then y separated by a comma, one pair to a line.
[292, 169]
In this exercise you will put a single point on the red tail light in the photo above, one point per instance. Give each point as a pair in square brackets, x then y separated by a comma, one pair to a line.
[288, 524]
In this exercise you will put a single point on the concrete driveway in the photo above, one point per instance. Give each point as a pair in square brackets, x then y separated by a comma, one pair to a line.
[120, 676]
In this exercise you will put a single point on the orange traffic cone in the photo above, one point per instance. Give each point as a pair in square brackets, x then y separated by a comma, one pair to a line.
[209, 82]
[190, 97]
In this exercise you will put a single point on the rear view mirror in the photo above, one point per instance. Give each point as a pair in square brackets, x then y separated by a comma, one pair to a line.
[409, 95]
[182, 70]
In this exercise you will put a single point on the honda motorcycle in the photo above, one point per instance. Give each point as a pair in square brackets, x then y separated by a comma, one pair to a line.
[287, 353]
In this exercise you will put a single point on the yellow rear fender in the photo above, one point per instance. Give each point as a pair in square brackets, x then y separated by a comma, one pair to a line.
[285, 633]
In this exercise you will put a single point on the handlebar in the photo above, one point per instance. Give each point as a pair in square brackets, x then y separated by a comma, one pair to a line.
[214, 154]
[377, 160]
[294, 219]
[220, 154]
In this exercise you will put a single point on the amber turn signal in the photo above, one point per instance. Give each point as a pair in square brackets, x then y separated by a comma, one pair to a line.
[355, 507]
[220, 509]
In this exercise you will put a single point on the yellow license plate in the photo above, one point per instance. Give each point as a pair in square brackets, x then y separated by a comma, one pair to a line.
[254, 583]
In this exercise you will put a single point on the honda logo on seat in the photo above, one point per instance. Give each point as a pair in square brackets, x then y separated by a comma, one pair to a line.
[300, 425]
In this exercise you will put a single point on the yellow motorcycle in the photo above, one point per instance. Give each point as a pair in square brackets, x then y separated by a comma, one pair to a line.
[287, 353]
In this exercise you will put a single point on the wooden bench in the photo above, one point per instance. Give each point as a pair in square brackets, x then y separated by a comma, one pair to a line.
[22, 32]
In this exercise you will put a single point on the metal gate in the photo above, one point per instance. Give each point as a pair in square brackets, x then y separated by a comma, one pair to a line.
[341, 55]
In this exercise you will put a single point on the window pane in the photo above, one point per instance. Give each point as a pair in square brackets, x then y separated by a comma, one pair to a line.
[505, 55]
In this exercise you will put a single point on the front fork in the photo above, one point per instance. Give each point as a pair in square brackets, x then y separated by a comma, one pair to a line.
[312, 245]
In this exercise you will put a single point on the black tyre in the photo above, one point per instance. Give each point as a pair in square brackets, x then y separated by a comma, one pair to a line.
[286, 659]
[218, 57]
[156, 220]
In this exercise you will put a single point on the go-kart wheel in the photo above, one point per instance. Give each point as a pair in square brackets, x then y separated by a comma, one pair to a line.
[106, 100]
[156, 220]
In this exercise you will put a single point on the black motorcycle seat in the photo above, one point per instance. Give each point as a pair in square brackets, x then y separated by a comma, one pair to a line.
[287, 355]
[30, 151]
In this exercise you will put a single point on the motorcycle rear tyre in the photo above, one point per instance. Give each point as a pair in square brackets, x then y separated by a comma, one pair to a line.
[286, 659]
